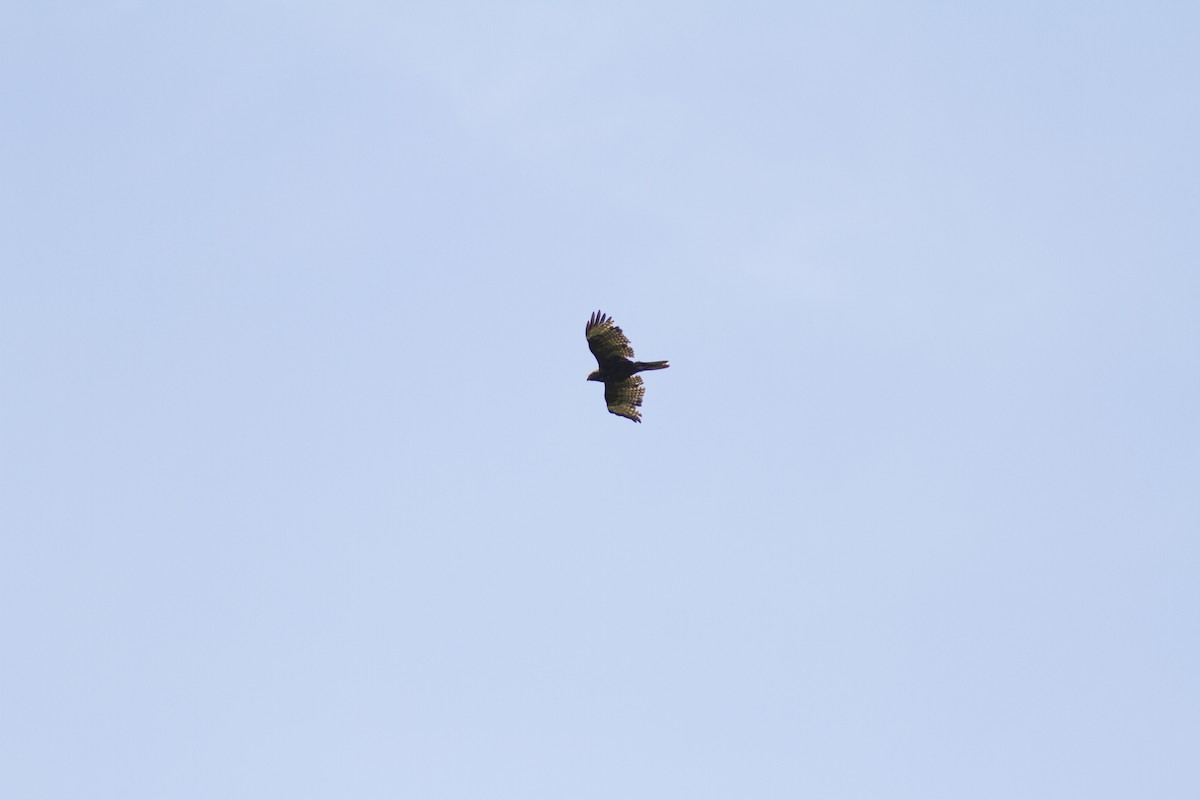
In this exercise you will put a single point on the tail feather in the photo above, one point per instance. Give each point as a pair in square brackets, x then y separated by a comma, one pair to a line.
[642, 366]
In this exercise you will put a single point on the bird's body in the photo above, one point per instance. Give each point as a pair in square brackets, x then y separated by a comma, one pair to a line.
[623, 390]
[624, 369]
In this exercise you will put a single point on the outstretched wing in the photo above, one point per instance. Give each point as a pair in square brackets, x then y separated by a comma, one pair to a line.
[624, 397]
[606, 340]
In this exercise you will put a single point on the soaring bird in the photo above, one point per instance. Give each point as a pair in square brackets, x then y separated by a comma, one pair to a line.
[623, 388]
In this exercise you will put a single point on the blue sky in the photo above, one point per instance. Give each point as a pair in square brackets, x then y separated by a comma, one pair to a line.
[305, 494]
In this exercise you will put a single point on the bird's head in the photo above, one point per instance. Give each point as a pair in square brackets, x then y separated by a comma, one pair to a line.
[595, 376]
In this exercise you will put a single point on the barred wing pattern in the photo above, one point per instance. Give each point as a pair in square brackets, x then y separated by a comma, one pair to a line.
[606, 340]
[624, 397]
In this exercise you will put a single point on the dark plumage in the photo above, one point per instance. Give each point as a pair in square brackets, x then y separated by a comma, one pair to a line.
[623, 390]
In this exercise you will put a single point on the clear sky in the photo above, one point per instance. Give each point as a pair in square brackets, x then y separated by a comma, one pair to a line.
[304, 494]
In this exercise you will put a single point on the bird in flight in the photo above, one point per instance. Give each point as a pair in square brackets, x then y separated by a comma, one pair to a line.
[623, 388]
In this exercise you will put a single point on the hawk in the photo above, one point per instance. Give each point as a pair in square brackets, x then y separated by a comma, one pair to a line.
[623, 388]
